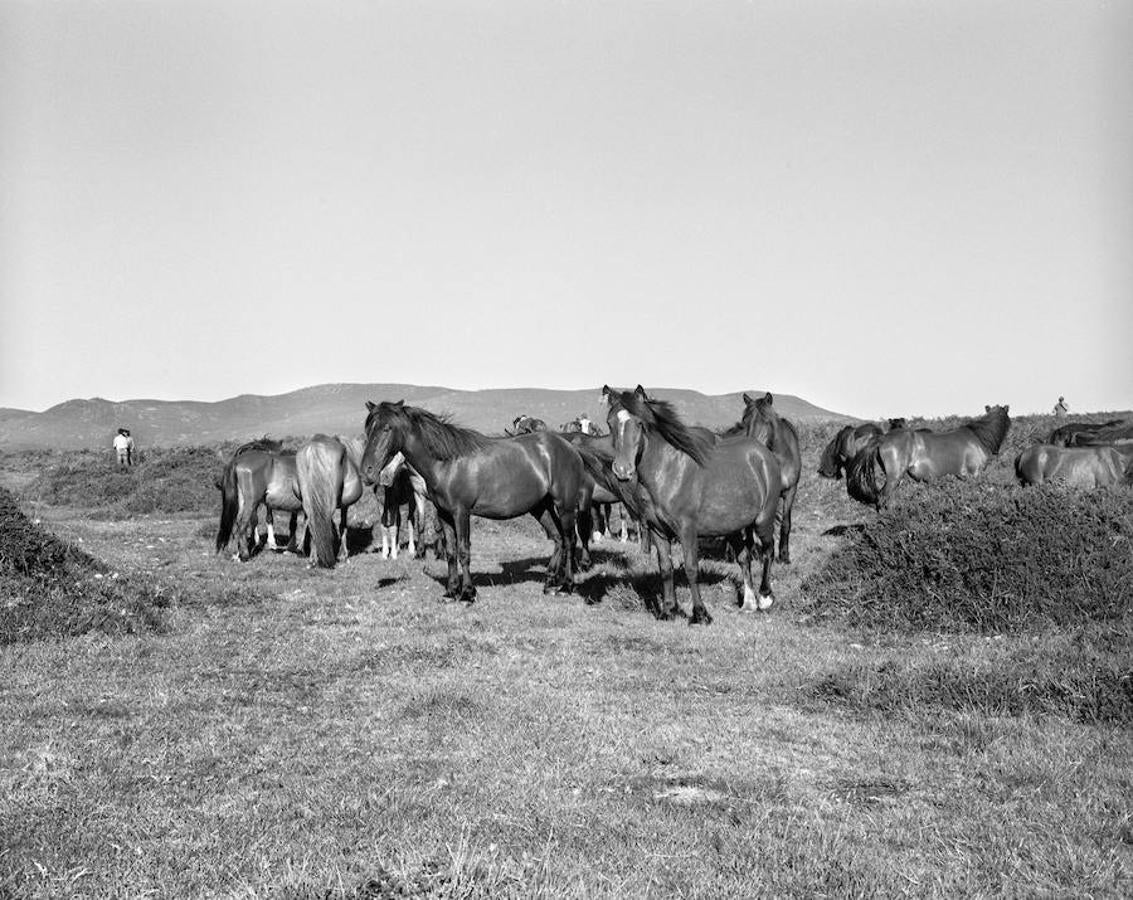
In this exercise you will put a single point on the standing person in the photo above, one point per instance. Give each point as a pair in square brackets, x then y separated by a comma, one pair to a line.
[129, 447]
[1061, 409]
[122, 447]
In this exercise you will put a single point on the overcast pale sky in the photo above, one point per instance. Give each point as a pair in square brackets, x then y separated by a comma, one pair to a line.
[884, 207]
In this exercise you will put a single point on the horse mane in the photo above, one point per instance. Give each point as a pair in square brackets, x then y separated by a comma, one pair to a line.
[763, 411]
[991, 428]
[441, 438]
[265, 443]
[598, 463]
[660, 416]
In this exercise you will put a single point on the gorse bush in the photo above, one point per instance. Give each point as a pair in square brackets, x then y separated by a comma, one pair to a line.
[164, 481]
[48, 588]
[977, 556]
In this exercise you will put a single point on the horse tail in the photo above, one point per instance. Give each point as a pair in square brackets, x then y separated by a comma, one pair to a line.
[319, 466]
[861, 474]
[229, 503]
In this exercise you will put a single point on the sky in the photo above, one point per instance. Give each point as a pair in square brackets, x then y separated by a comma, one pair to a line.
[886, 208]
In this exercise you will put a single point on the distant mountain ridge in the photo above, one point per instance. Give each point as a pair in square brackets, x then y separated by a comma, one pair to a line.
[340, 409]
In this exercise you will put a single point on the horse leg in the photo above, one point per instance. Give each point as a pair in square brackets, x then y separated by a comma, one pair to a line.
[669, 608]
[622, 517]
[584, 518]
[270, 544]
[462, 520]
[740, 544]
[600, 522]
[293, 538]
[552, 528]
[448, 544]
[700, 614]
[389, 517]
[765, 533]
[566, 518]
[785, 526]
[343, 546]
[246, 530]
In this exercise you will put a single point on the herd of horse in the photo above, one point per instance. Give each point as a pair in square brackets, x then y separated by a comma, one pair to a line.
[678, 482]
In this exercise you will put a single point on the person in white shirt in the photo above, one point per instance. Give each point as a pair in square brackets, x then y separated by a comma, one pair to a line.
[123, 445]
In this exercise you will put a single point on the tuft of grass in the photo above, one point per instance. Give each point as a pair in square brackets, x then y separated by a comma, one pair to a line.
[1087, 678]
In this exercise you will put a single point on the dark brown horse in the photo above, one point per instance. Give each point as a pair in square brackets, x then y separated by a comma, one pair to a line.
[1085, 467]
[779, 435]
[844, 447]
[469, 474]
[260, 473]
[925, 455]
[699, 486]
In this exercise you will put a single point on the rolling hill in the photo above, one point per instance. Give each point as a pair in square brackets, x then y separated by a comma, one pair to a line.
[337, 409]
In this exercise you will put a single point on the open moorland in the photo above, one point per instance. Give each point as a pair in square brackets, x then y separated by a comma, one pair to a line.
[940, 703]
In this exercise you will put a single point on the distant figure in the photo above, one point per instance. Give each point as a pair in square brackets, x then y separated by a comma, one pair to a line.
[123, 447]
[1061, 409]
[584, 424]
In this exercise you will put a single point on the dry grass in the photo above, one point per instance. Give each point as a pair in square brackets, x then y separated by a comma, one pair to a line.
[343, 734]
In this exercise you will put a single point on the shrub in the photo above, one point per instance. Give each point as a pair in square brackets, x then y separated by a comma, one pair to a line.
[164, 481]
[973, 555]
[48, 588]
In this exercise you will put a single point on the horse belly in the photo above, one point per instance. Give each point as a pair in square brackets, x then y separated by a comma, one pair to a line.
[283, 495]
[729, 504]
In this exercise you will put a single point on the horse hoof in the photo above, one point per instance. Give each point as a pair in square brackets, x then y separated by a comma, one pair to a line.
[700, 617]
[765, 601]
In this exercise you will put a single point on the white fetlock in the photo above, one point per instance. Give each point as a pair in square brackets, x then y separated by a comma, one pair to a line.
[596, 537]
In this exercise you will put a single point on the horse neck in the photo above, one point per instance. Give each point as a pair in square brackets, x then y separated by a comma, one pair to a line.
[427, 465]
[658, 459]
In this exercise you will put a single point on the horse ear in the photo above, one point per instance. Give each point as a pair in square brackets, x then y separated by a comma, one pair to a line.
[400, 403]
[769, 398]
[640, 391]
[371, 406]
[747, 400]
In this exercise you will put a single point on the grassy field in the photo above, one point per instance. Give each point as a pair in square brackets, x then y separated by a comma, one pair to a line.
[288, 732]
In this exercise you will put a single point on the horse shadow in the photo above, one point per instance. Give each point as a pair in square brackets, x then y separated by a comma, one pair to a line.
[517, 571]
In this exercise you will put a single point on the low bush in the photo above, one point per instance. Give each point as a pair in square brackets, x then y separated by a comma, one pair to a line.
[977, 556]
[164, 481]
[48, 588]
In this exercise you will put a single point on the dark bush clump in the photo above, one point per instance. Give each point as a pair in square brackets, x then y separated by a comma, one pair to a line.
[50, 589]
[975, 556]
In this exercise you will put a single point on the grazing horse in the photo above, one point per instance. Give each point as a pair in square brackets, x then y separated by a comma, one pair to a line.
[1085, 467]
[468, 473]
[328, 480]
[844, 447]
[779, 435]
[525, 425]
[698, 486]
[260, 473]
[402, 485]
[1070, 434]
[925, 455]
